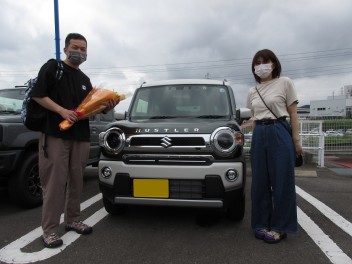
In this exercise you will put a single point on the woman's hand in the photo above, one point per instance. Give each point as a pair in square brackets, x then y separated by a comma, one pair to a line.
[298, 147]
[292, 110]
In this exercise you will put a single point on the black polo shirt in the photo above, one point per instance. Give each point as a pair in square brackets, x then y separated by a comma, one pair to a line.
[67, 92]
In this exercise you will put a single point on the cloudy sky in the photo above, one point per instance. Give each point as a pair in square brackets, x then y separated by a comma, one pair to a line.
[131, 41]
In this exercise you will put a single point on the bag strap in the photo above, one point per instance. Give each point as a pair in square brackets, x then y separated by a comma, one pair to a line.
[287, 128]
[60, 70]
[58, 75]
[265, 103]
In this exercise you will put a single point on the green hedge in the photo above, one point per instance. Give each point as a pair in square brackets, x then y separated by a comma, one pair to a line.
[336, 124]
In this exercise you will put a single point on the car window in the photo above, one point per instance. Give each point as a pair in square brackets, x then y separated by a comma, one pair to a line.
[108, 117]
[181, 101]
[11, 99]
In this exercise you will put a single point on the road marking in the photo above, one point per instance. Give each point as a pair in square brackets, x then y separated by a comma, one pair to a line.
[12, 252]
[329, 247]
[337, 219]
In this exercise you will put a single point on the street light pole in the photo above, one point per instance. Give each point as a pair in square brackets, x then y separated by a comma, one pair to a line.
[57, 30]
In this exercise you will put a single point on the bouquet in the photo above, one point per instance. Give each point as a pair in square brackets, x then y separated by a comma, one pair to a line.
[95, 102]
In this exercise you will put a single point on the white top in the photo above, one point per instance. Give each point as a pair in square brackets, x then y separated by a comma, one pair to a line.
[278, 94]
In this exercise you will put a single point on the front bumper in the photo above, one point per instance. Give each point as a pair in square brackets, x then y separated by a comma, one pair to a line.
[190, 186]
[8, 161]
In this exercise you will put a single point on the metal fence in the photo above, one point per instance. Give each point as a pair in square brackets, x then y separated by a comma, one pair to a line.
[318, 138]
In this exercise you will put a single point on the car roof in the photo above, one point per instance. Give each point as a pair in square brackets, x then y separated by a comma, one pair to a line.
[183, 81]
[13, 88]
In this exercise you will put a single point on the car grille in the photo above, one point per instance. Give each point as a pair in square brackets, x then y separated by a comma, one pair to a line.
[186, 189]
[175, 141]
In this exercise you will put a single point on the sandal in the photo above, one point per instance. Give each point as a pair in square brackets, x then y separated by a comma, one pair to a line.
[260, 234]
[274, 237]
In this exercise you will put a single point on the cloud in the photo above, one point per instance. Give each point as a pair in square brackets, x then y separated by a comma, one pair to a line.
[134, 41]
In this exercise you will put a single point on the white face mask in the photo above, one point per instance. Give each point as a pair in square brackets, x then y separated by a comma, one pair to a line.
[263, 70]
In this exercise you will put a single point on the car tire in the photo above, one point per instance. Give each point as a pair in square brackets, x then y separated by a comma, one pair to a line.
[24, 184]
[114, 209]
[236, 209]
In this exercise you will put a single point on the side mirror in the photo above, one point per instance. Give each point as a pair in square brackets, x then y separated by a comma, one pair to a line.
[243, 114]
[120, 115]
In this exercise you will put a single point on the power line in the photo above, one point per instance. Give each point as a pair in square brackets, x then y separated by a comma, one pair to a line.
[228, 63]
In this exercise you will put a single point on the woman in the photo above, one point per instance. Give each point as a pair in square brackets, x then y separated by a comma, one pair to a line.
[273, 149]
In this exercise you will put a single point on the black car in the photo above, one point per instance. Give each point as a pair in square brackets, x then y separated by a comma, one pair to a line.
[19, 149]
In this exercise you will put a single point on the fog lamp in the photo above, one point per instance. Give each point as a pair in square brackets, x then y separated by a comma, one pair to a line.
[231, 175]
[106, 172]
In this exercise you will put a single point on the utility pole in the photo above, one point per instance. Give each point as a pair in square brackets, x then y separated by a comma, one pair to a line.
[57, 30]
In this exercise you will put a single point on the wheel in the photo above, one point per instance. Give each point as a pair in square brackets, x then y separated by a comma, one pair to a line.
[24, 184]
[114, 209]
[236, 209]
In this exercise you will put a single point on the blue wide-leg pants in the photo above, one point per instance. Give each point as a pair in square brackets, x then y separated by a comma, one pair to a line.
[273, 179]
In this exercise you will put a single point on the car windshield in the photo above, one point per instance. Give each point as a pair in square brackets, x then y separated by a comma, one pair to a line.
[11, 100]
[198, 101]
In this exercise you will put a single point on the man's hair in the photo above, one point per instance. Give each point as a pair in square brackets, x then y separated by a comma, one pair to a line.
[267, 55]
[74, 36]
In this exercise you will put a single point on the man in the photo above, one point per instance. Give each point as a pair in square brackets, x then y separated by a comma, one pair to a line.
[63, 154]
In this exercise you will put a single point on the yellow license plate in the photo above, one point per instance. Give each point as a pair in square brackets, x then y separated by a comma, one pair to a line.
[151, 188]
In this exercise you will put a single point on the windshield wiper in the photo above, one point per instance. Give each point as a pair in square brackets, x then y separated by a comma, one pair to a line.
[9, 112]
[161, 117]
[212, 116]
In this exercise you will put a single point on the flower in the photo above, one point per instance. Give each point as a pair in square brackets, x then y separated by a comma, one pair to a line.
[95, 102]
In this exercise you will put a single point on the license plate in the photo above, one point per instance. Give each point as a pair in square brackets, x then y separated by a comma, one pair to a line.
[151, 188]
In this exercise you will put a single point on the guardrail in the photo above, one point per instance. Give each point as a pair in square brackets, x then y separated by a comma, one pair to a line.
[315, 141]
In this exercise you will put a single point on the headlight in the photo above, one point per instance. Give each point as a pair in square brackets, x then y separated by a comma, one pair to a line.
[113, 140]
[224, 141]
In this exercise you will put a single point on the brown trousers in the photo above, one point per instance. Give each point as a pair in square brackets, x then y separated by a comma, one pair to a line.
[61, 177]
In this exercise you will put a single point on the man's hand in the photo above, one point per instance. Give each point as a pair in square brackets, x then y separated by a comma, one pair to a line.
[69, 115]
[111, 104]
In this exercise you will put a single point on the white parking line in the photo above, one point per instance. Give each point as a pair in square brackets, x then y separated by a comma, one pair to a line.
[12, 252]
[329, 247]
[337, 219]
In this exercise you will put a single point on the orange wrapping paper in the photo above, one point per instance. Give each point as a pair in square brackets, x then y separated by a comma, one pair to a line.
[95, 102]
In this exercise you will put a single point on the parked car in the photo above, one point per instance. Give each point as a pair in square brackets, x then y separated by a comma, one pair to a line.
[349, 131]
[180, 144]
[314, 131]
[333, 133]
[19, 149]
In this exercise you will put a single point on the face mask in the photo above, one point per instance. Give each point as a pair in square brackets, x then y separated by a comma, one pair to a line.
[76, 57]
[263, 70]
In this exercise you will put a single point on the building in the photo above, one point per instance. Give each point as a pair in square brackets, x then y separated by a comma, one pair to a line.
[339, 106]
[303, 111]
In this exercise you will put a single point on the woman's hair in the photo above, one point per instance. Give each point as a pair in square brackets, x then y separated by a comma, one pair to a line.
[267, 55]
[74, 36]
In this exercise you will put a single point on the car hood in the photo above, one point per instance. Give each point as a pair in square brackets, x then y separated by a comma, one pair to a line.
[174, 126]
[10, 118]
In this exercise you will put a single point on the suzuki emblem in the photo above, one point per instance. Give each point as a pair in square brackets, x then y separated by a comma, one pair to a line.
[166, 142]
